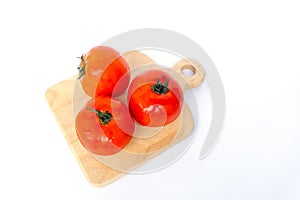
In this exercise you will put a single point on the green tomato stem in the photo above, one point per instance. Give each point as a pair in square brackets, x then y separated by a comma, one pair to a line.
[104, 117]
[160, 87]
[81, 69]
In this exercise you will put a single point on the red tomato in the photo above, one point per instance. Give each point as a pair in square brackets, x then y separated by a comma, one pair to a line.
[104, 126]
[154, 98]
[101, 69]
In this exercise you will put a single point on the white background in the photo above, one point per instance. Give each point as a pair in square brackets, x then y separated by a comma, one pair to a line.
[255, 46]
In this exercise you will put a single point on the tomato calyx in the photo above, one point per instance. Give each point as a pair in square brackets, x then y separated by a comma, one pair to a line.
[160, 87]
[104, 117]
[81, 69]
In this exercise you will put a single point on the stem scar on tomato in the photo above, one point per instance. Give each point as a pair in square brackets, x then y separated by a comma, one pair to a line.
[160, 87]
[104, 117]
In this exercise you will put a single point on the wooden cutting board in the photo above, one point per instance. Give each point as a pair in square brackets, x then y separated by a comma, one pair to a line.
[66, 98]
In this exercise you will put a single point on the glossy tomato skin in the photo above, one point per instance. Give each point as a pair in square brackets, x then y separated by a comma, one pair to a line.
[104, 139]
[149, 108]
[100, 69]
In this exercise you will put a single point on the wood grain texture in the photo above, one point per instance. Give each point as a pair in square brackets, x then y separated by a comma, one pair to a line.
[65, 97]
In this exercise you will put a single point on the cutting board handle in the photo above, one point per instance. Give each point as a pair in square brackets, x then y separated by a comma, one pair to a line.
[196, 72]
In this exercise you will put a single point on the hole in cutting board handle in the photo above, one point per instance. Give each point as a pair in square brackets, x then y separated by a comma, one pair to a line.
[188, 71]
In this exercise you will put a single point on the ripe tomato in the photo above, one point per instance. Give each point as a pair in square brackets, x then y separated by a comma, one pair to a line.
[104, 126]
[154, 98]
[101, 69]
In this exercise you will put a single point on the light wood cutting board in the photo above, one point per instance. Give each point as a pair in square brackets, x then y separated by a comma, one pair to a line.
[66, 98]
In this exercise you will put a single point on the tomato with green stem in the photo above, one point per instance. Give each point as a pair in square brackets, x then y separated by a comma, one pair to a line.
[104, 126]
[154, 98]
[100, 69]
